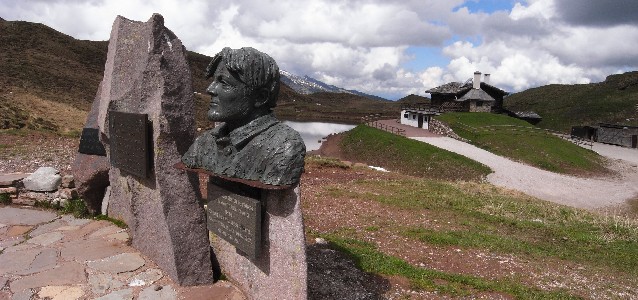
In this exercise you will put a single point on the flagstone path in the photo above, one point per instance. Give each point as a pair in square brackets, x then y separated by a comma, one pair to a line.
[47, 256]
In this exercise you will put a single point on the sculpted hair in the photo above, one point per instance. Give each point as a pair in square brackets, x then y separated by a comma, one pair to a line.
[256, 69]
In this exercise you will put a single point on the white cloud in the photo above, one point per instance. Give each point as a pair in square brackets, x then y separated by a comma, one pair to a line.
[363, 44]
[536, 9]
[360, 24]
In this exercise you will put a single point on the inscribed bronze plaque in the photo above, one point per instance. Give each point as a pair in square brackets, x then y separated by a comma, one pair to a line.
[90, 142]
[235, 218]
[129, 142]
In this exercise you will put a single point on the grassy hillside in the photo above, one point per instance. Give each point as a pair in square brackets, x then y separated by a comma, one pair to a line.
[413, 99]
[523, 142]
[400, 154]
[470, 240]
[614, 100]
[47, 79]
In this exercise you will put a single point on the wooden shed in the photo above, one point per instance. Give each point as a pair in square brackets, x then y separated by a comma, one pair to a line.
[617, 134]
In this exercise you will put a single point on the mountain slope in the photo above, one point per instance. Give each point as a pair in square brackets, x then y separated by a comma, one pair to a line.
[614, 100]
[308, 85]
[48, 80]
[413, 99]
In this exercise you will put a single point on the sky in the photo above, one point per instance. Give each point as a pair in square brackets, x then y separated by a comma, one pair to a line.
[389, 48]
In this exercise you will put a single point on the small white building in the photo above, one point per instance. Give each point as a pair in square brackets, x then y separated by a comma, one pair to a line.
[418, 115]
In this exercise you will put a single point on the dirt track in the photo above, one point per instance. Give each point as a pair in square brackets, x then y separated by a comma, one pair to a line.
[588, 193]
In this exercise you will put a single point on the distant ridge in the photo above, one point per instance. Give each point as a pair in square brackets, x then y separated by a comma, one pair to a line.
[413, 99]
[307, 85]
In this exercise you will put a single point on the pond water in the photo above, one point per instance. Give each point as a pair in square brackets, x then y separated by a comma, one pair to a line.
[313, 132]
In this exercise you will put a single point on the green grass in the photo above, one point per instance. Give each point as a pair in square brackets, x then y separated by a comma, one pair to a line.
[563, 106]
[480, 216]
[326, 162]
[379, 148]
[5, 199]
[369, 259]
[74, 133]
[520, 141]
[76, 207]
[17, 132]
[118, 223]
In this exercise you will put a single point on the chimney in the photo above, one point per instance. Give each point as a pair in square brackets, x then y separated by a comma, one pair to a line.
[487, 78]
[476, 83]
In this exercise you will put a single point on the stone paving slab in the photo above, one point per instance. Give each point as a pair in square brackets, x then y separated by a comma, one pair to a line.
[18, 216]
[11, 179]
[118, 295]
[48, 227]
[155, 292]
[45, 260]
[61, 257]
[12, 262]
[23, 295]
[61, 292]
[84, 251]
[101, 283]
[125, 262]
[65, 274]
[46, 239]
[17, 230]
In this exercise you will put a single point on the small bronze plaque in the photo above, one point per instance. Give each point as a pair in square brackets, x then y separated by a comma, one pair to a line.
[90, 142]
[129, 142]
[235, 218]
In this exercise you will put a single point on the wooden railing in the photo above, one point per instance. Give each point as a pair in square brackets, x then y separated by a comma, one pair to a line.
[423, 107]
[388, 128]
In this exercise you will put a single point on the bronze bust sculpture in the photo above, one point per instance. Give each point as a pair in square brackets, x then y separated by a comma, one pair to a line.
[250, 144]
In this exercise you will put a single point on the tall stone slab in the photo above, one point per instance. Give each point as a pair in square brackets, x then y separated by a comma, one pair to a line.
[280, 269]
[146, 72]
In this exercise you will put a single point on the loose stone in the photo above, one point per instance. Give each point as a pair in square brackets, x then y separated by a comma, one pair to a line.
[44, 179]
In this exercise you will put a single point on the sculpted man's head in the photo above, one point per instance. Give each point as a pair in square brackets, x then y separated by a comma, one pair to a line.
[251, 144]
[245, 85]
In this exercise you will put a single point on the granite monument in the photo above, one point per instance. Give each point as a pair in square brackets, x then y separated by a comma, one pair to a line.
[255, 164]
[145, 117]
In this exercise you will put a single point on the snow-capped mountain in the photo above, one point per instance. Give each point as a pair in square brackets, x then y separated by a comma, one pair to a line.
[308, 85]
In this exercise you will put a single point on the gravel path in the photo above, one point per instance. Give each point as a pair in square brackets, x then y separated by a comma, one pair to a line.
[588, 193]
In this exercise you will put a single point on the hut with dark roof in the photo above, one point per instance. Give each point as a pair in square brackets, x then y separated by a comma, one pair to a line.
[471, 96]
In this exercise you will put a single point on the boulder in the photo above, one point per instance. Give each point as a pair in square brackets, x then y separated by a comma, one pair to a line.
[44, 179]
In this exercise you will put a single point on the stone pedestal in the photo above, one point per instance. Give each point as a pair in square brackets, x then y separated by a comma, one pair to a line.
[280, 270]
[146, 73]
